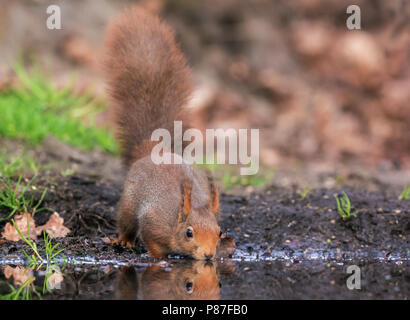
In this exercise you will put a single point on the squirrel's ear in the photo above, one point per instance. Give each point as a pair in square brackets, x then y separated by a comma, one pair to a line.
[214, 205]
[186, 202]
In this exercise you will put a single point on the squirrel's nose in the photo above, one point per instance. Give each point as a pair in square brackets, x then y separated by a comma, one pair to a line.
[209, 256]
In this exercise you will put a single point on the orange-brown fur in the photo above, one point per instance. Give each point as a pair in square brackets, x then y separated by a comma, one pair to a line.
[148, 78]
[148, 83]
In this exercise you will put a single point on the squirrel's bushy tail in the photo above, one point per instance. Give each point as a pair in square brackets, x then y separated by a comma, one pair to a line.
[148, 79]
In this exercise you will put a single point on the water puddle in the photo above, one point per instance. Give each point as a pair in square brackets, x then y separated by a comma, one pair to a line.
[289, 274]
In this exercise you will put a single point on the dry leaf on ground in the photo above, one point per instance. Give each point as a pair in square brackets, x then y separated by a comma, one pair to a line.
[10, 232]
[54, 227]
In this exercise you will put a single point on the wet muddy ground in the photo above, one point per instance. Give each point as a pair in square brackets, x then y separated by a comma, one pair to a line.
[287, 247]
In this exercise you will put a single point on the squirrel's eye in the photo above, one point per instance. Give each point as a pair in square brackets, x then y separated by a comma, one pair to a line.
[188, 287]
[189, 233]
[220, 234]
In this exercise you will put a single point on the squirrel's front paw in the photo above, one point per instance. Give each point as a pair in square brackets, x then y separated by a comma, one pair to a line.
[156, 251]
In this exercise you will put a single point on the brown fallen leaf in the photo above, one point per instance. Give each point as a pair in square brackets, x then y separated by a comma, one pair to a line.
[54, 227]
[76, 49]
[19, 274]
[10, 232]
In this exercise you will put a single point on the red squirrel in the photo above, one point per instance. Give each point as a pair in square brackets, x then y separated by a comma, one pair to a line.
[172, 208]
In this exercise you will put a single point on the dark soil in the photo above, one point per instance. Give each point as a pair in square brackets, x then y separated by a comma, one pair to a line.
[275, 219]
[280, 219]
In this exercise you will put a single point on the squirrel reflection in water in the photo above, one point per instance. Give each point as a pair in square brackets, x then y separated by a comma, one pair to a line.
[187, 280]
[190, 280]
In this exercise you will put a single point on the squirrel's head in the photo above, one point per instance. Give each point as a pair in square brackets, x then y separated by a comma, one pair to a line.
[198, 233]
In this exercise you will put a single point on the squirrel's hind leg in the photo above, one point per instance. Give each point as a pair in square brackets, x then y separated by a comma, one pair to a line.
[127, 227]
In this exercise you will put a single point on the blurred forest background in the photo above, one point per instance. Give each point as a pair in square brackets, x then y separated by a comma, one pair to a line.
[317, 91]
